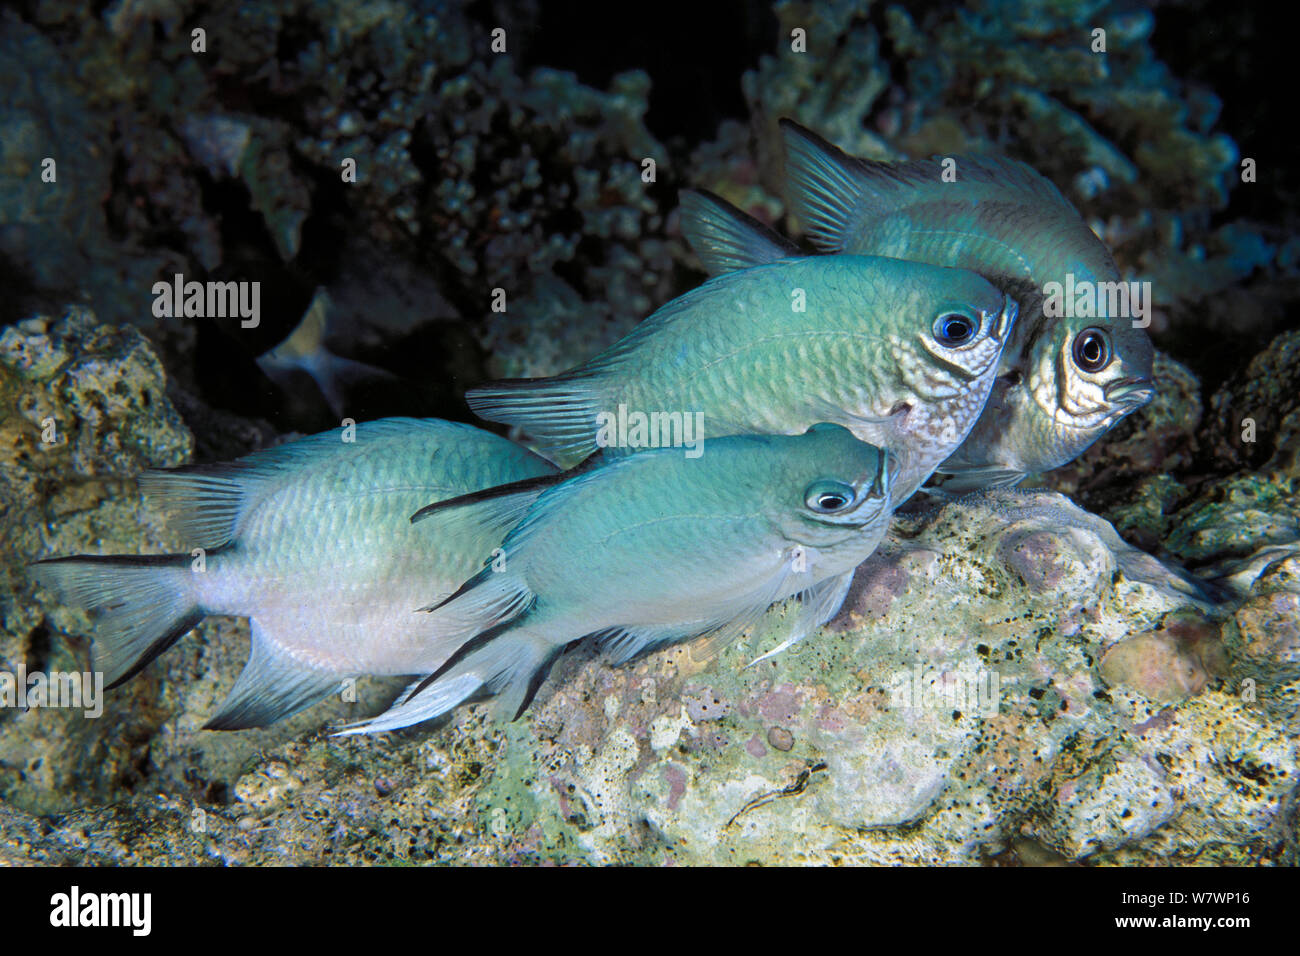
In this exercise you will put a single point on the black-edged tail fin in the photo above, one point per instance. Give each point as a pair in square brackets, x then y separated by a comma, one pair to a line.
[144, 605]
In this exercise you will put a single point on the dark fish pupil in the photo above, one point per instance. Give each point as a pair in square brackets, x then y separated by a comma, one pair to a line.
[1091, 351]
[831, 502]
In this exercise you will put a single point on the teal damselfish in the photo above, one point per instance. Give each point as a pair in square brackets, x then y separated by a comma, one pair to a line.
[648, 549]
[900, 353]
[1063, 379]
[312, 541]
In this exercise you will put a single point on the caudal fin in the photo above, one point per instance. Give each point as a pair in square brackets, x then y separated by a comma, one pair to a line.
[144, 605]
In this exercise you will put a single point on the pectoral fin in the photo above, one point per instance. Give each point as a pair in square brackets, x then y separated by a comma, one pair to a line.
[960, 480]
[816, 605]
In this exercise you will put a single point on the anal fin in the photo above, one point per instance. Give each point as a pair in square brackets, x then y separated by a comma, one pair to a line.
[273, 685]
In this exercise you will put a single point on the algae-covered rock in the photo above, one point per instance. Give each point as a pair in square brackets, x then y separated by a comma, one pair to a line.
[979, 687]
[1256, 415]
[83, 409]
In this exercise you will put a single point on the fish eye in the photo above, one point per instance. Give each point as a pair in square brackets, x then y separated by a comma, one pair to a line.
[954, 328]
[1092, 350]
[829, 497]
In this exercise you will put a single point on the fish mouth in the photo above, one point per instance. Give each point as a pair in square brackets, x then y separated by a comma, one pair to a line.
[1006, 319]
[887, 469]
[1131, 391]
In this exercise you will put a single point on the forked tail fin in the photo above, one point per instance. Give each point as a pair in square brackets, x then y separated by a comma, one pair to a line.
[144, 605]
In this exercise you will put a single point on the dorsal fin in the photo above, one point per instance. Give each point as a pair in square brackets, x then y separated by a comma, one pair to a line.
[727, 239]
[824, 185]
[204, 504]
[834, 193]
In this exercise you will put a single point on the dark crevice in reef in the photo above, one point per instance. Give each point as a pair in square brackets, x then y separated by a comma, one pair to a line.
[1245, 58]
[694, 54]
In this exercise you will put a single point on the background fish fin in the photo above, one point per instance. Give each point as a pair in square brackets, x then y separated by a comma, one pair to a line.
[832, 192]
[339, 377]
[560, 412]
[272, 686]
[511, 665]
[810, 609]
[143, 605]
[727, 239]
[962, 479]
[825, 186]
[308, 335]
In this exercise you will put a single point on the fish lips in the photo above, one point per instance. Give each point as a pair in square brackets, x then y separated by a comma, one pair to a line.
[1134, 392]
[1006, 319]
[887, 470]
[875, 496]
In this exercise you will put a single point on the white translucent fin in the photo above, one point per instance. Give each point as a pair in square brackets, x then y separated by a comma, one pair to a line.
[272, 686]
[959, 480]
[777, 588]
[511, 666]
[727, 239]
[817, 605]
[622, 644]
[487, 600]
[143, 605]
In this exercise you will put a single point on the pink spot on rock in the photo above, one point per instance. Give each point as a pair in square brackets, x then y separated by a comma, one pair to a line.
[780, 704]
[675, 777]
[1040, 558]
[878, 580]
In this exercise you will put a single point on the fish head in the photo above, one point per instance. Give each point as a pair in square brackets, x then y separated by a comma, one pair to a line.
[834, 487]
[957, 325]
[1082, 375]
